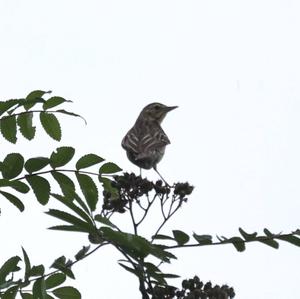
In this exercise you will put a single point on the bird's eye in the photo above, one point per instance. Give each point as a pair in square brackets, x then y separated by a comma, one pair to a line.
[156, 107]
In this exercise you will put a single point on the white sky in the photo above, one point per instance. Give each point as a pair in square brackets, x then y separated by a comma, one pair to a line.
[232, 67]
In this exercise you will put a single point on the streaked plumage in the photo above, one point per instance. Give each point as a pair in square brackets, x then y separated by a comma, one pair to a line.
[146, 141]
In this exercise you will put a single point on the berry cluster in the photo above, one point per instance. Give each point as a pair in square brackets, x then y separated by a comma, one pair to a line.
[125, 188]
[194, 289]
[183, 189]
[129, 187]
[134, 186]
[161, 189]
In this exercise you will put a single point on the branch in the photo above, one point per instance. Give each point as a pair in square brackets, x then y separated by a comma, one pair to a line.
[170, 212]
[142, 287]
[135, 226]
[147, 209]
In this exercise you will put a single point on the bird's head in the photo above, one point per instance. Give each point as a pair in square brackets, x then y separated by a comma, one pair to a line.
[156, 112]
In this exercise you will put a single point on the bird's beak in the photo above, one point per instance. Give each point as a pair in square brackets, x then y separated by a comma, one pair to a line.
[170, 108]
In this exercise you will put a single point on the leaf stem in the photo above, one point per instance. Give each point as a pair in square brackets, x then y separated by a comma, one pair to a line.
[256, 239]
[39, 111]
[60, 170]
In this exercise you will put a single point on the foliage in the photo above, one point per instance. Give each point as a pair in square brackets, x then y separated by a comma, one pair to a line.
[92, 199]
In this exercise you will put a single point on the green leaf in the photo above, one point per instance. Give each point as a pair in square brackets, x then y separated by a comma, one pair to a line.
[36, 164]
[96, 237]
[55, 280]
[64, 266]
[82, 203]
[104, 220]
[68, 272]
[60, 261]
[11, 293]
[12, 165]
[64, 216]
[19, 186]
[67, 293]
[6, 105]
[24, 122]
[15, 184]
[14, 200]
[134, 245]
[39, 289]
[180, 237]
[247, 236]
[151, 268]
[37, 270]
[159, 252]
[27, 264]
[169, 275]
[10, 282]
[89, 190]
[70, 113]
[54, 101]
[70, 204]
[61, 156]
[268, 241]
[67, 228]
[109, 167]
[65, 183]
[133, 271]
[30, 296]
[82, 253]
[34, 97]
[291, 239]
[7, 284]
[297, 232]
[237, 242]
[36, 94]
[159, 278]
[11, 265]
[268, 233]
[203, 239]
[40, 187]
[9, 128]
[162, 237]
[222, 238]
[78, 199]
[26, 296]
[51, 125]
[88, 160]
[106, 183]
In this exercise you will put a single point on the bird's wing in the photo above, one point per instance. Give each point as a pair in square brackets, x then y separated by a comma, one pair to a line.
[131, 141]
[145, 143]
[155, 140]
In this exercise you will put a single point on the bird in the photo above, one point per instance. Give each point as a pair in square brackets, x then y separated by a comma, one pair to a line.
[146, 141]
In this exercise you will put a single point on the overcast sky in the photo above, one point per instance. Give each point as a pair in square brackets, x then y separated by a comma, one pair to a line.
[232, 67]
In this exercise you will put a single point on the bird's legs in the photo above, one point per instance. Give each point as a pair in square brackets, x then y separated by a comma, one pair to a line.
[155, 168]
